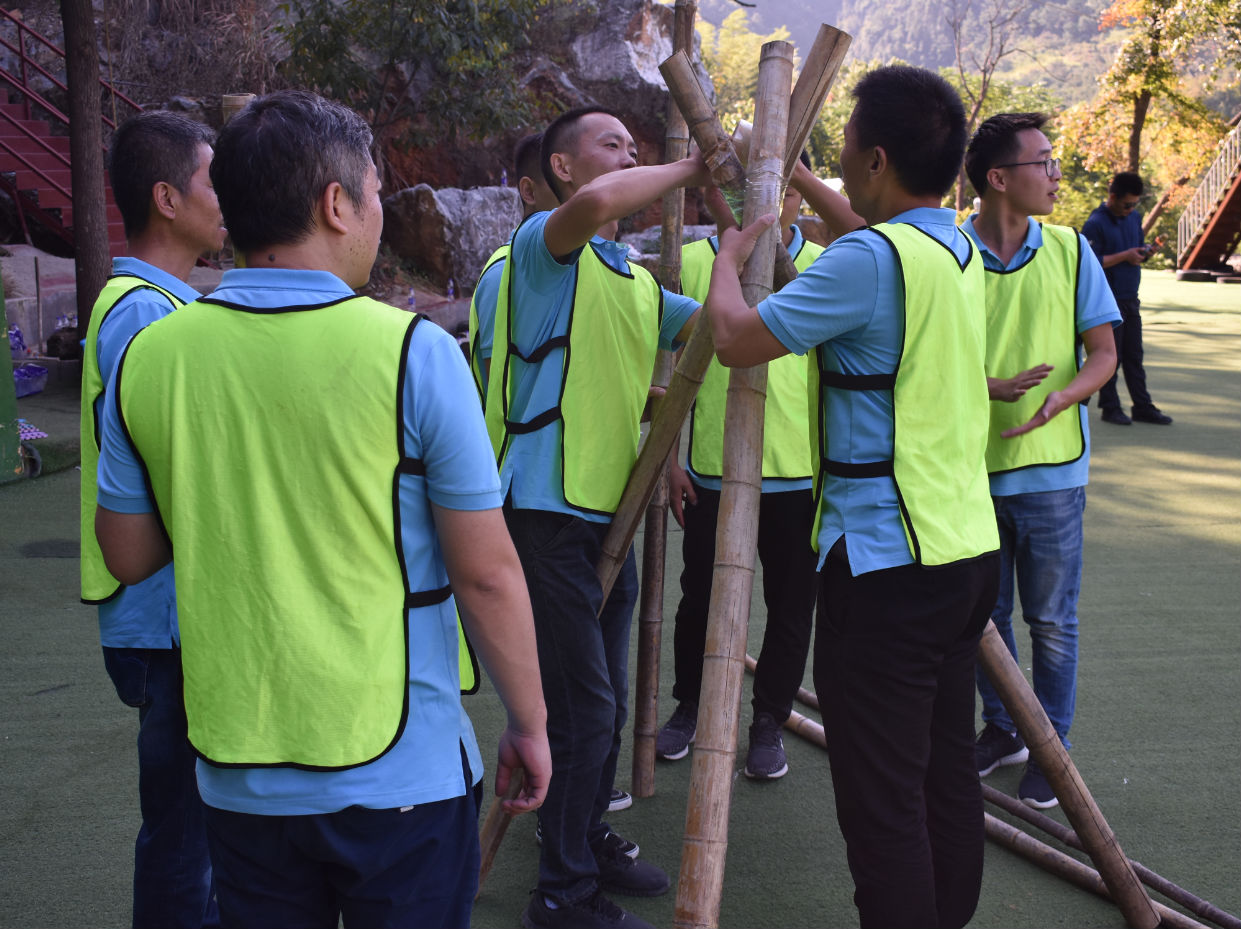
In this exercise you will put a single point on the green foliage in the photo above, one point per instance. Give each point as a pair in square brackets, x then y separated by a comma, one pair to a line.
[730, 55]
[431, 68]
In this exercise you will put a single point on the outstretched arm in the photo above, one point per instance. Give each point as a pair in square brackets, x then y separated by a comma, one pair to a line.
[614, 196]
[1100, 365]
[490, 589]
[741, 337]
[832, 208]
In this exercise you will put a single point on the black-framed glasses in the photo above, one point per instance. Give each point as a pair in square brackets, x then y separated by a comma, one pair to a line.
[1050, 165]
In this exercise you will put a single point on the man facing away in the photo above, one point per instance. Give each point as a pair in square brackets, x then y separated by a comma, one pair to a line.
[786, 513]
[329, 493]
[575, 346]
[1046, 296]
[158, 163]
[1114, 231]
[905, 530]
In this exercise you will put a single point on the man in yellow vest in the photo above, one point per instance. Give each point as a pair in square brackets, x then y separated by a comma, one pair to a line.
[1047, 299]
[786, 513]
[574, 351]
[905, 531]
[317, 462]
[158, 164]
[536, 197]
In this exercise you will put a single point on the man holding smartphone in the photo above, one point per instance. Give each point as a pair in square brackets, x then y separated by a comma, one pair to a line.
[1114, 231]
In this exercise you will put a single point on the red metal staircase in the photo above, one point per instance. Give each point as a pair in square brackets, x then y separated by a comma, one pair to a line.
[1209, 230]
[34, 158]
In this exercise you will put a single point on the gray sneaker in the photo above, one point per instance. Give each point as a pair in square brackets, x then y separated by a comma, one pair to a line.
[674, 739]
[766, 759]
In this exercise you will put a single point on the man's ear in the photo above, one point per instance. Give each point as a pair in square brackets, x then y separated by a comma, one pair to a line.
[332, 208]
[561, 167]
[878, 161]
[525, 190]
[164, 199]
[997, 180]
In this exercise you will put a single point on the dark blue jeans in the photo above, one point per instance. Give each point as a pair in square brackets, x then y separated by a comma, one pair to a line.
[413, 866]
[584, 662]
[1129, 356]
[172, 870]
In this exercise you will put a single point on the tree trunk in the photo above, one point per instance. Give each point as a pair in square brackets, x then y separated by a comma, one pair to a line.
[1141, 103]
[90, 221]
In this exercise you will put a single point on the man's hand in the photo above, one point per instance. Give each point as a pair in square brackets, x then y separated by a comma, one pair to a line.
[737, 244]
[1012, 389]
[1135, 255]
[1055, 403]
[680, 492]
[528, 753]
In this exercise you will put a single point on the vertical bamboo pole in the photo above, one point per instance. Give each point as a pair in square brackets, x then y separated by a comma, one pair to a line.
[706, 822]
[654, 548]
[1079, 806]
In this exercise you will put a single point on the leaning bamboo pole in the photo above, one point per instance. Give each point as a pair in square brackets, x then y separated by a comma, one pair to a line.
[1079, 806]
[494, 826]
[645, 702]
[706, 821]
[1073, 870]
[1058, 830]
[726, 173]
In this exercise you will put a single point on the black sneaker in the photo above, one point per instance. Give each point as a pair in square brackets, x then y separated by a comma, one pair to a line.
[621, 873]
[595, 912]
[995, 748]
[623, 845]
[766, 759]
[677, 733]
[1116, 416]
[1034, 790]
[620, 800]
[1151, 414]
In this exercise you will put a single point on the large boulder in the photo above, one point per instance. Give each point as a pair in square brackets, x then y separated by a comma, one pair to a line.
[450, 233]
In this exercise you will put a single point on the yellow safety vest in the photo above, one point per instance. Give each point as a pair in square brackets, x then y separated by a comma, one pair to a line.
[1031, 320]
[939, 403]
[476, 358]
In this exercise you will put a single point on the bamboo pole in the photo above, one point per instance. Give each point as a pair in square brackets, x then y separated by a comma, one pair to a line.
[651, 602]
[1071, 869]
[1173, 892]
[817, 76]
[706, 822]
[494, 827]
[1079, 806]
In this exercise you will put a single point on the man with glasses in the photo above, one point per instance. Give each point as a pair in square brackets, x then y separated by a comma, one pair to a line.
[1045, 296]
[1114, 231]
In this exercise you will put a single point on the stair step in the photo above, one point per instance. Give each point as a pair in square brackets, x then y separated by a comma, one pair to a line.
[37, 127]
[41, 160]
[21, 143]
[34, 180]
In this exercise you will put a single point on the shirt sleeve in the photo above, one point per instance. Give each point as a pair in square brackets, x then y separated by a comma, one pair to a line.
[120, 479]
[1095, 303]
[444, 424]
[832, 297]
[485, 296]
[130, 316]
[677, 311]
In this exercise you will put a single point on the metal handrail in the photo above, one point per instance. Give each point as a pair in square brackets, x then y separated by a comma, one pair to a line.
[22, 84]
[1202, 206]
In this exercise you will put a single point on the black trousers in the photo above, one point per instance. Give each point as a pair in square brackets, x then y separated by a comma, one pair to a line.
[894, 669]
[1129, 355]
[784, 524]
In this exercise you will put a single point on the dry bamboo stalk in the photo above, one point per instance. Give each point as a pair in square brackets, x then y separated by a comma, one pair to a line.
[1173, 892]
[706, 822]
[494, 826]
[808, 697]
[816, 78]
[1079, 806]
[650, 612]
[1071, 869]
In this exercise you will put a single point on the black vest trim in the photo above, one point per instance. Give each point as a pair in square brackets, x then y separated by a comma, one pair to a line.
[858, 469]
[417, 598]
[842, 381]
[415, 466]
[533, 425]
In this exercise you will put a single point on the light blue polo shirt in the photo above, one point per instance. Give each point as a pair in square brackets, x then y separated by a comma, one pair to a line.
[443, 427]
[542, 304]
[144, 615]
[852, 301]
[1095, 306]
[771, 485]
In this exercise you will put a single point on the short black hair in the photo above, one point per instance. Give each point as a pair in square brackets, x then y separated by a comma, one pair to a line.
[275, 158]
[995, 143]
[918, 119]
[562, 136]
[527, 156]
[1127, 184]
[152, 146]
